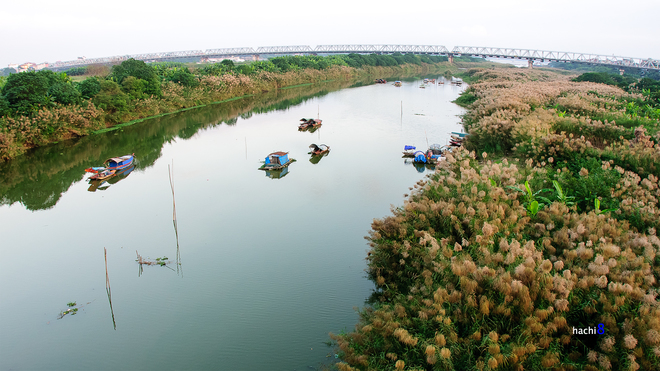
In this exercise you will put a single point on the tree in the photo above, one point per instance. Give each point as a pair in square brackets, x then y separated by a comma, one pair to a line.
[134, 87]
[184, 77]
[111, 98]
[140, 70]
[89, 87]
[26, 91]
[227, 63]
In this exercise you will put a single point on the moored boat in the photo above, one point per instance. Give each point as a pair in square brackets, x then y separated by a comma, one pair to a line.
[409, 151]
[276, 161]
[116, 163]
[397, 83]
[318, 150]
[309, 123]
[102, 175]
[381, 81]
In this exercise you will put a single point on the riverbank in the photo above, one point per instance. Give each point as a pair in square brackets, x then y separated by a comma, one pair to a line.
[543, 224]
[61, 122]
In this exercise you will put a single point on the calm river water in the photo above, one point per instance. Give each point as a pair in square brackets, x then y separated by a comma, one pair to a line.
[267, 266]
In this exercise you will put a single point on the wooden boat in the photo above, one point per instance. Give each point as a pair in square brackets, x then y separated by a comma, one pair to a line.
[409, 151]
[318, 150]
[117, 163]
[94, 169]
[309, 123]
[460, 135]
[102, 175]
[397, 83]
[381, 81]
[276, 161]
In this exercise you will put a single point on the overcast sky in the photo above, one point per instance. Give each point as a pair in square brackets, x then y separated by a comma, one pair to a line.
[48, 31]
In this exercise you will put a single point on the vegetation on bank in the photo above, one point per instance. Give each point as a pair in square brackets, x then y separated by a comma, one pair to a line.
[40, 107]
[544, 224]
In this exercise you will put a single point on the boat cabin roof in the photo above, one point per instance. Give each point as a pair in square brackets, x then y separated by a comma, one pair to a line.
[278, 154]
[119, 159]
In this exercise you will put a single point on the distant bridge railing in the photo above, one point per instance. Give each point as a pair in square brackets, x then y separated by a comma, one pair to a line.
[543, 55]
[531, 55]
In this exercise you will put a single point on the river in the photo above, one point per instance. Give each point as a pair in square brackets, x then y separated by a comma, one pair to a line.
[260, 268]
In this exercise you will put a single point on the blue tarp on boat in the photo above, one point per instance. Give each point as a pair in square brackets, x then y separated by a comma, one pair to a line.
[420, 157]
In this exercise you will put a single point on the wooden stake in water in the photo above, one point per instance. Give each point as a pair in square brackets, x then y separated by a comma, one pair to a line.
[176, 229]
[107, 287]
[427, 138]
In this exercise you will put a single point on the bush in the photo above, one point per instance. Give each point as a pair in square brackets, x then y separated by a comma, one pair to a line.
[469, 279]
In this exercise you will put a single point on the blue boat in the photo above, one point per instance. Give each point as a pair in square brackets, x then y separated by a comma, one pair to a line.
[117, 163]
[276, 161]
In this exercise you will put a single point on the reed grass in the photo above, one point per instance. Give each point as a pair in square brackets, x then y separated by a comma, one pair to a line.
[470, 277]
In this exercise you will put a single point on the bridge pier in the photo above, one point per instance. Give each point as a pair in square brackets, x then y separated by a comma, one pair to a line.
[530, 63]
[451, 58]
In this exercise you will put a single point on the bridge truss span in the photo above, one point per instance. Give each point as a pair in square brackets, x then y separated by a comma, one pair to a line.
[382, 49]
[542, 55]
[529, 54]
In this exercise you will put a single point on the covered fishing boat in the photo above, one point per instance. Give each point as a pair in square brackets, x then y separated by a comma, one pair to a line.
[397, 83]
[309, 123]
[420, 157]
[318, 150]
[117, 163]
[276, 161]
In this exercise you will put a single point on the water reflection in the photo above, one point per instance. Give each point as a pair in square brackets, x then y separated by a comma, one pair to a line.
[38, 179]
[102, 185]
[277, 174]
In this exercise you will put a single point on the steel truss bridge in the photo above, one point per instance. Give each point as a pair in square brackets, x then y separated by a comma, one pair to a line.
[527, 54]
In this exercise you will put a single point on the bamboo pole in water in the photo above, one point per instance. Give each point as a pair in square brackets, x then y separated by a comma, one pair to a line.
[107, 287]
[176, 230]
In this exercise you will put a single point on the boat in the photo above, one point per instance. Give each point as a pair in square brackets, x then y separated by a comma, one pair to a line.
[117, 163]
[276, 161]
[318, 150]
[456, 141]
[309, 123]
[102, 175]
[409, 151]
[381, 81]
[397, 83]
[460, 135]
[104, 183]
[94, 169]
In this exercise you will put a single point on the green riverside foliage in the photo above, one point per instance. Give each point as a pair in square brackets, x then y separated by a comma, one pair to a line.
[493, 264]
[31, 102]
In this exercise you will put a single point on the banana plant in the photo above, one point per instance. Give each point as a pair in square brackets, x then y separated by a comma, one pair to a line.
[561, 196]
[531, 203]
[597, 207]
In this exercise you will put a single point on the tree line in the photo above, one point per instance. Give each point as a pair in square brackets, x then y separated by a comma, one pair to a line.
[25, 93]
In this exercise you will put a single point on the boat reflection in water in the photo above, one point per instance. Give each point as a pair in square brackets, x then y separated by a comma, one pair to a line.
[277, 174]
[420, 166]
[318, 152]
[102, 185]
